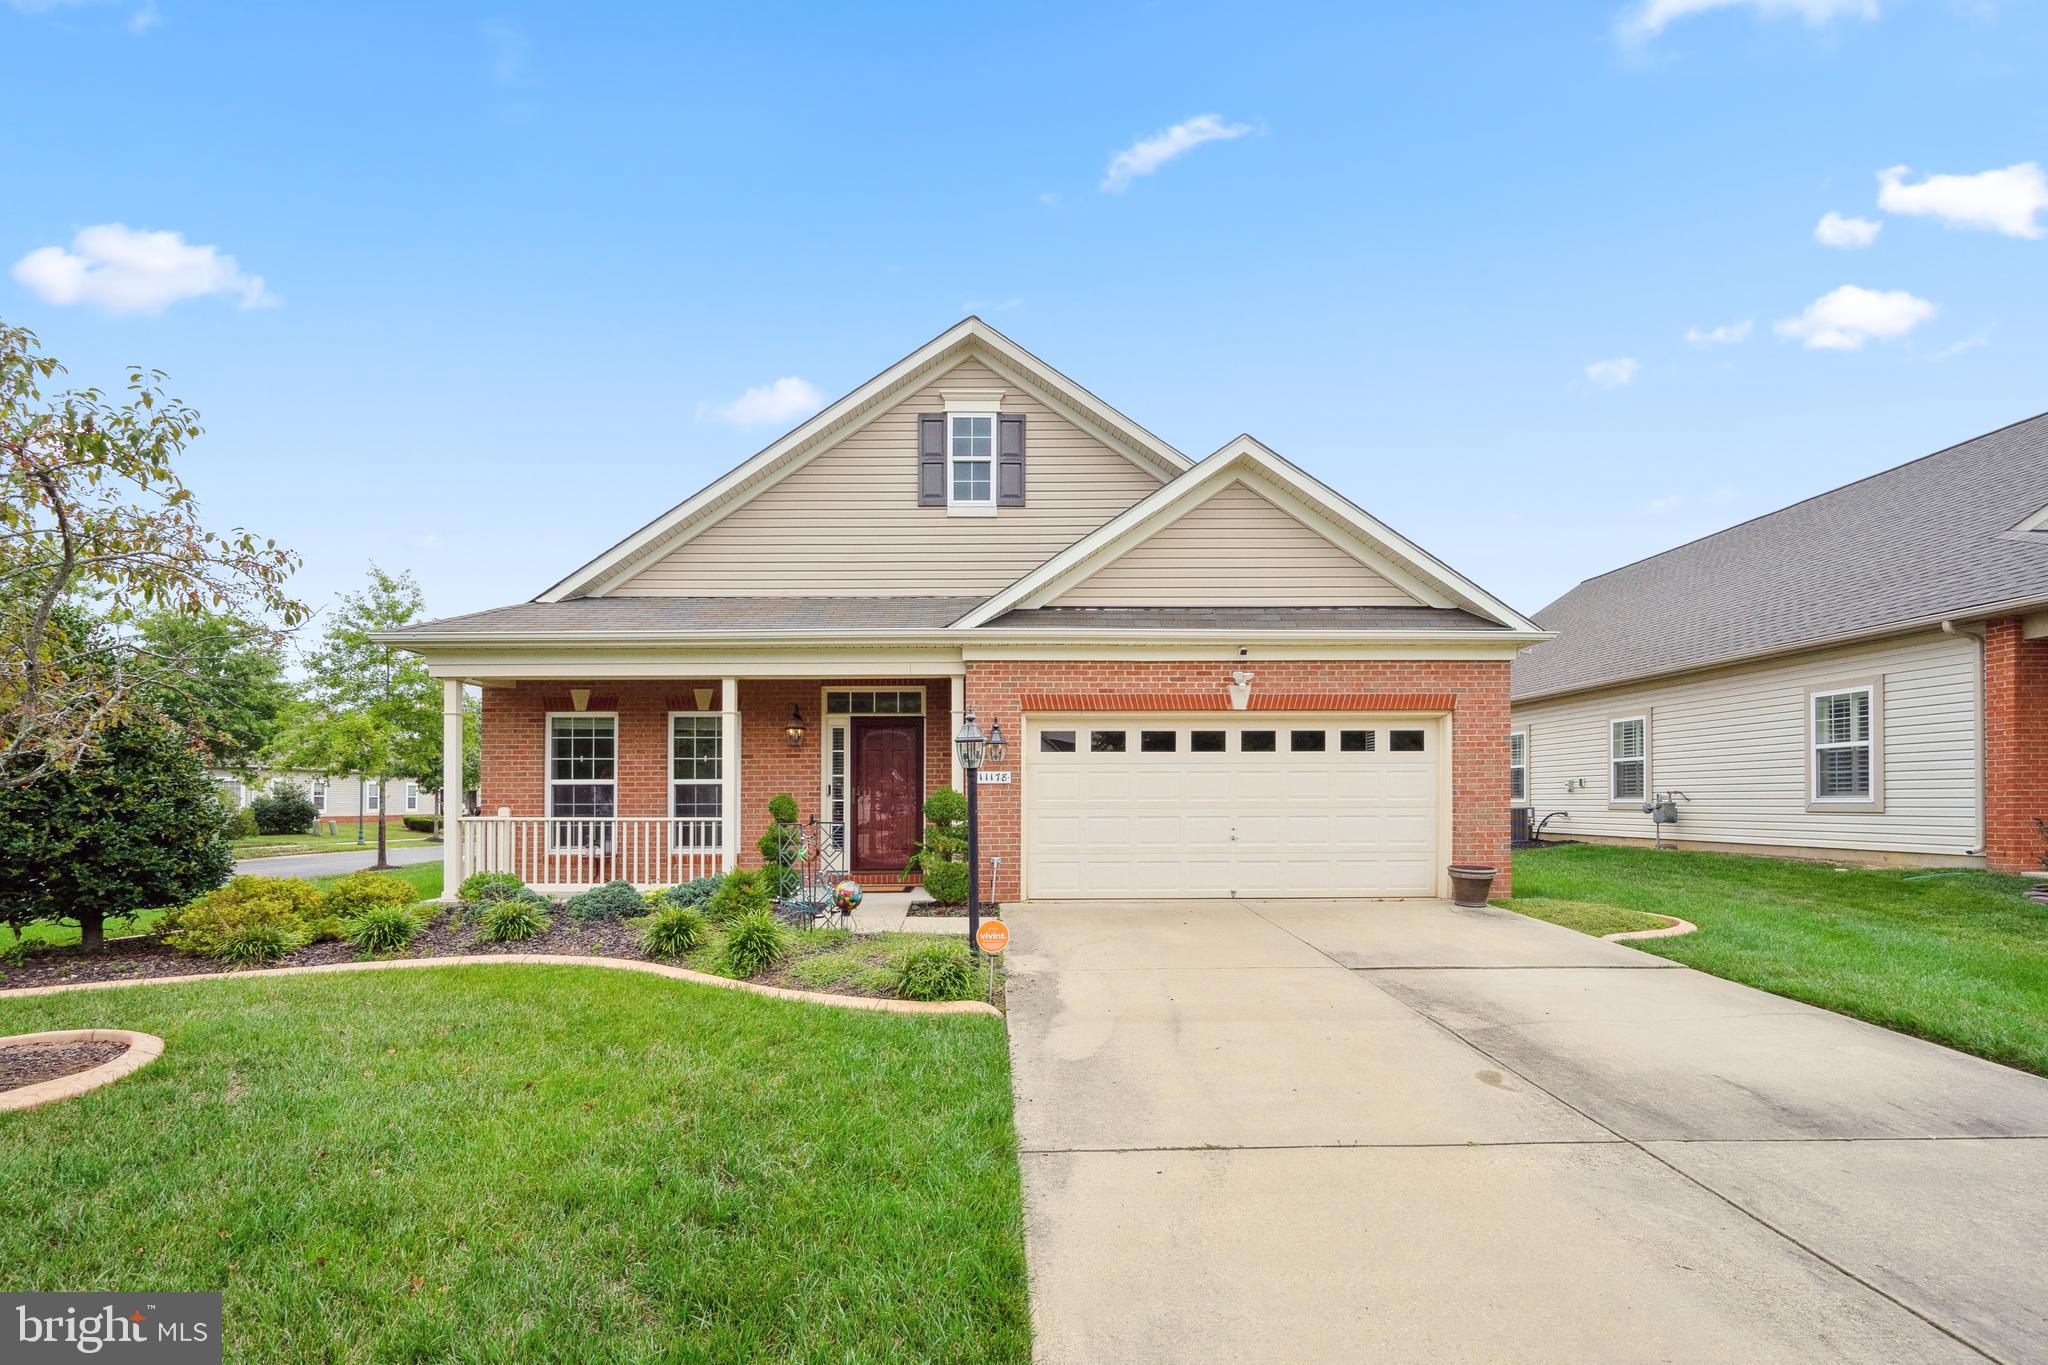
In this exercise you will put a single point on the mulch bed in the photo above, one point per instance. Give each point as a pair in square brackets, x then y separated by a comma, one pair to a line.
[131, 959]
[933, 910]
[27, 1063]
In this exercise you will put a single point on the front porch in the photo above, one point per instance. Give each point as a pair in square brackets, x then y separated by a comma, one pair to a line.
[656, 781]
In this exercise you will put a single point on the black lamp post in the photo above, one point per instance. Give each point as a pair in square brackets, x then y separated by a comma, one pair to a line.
[975, 748]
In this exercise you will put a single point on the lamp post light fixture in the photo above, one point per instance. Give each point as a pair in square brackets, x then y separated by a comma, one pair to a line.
[795, 728]
[974, 749]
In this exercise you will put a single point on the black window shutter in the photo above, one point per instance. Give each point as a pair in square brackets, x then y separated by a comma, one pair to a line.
[1010, 459]
[931, 459]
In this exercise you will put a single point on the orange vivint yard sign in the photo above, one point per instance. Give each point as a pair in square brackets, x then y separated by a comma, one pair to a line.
[992, 937]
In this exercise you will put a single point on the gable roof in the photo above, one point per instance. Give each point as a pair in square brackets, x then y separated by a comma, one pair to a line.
[1937, 538]
[1426, 578]
[970, 337]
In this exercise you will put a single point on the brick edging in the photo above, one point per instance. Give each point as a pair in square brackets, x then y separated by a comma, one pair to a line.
[143, 1048]
[1673, 929]
[845, 1002]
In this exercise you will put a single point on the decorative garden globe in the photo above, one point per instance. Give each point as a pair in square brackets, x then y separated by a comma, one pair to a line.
[846, 896]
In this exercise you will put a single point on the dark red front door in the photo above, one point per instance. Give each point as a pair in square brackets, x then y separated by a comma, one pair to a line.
[888, 791]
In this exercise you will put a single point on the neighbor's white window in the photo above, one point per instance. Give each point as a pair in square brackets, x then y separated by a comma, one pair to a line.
[1842, 745]
[412, 796]
[583, 779]
[1518, 766]
[971, 459]
[373, 798]
[320, 795]
[696, 752]
[1628, 759]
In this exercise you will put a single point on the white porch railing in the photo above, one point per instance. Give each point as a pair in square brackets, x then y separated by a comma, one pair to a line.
[557, 855]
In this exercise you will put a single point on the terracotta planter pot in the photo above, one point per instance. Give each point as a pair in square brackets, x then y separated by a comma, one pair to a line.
[1471, 885]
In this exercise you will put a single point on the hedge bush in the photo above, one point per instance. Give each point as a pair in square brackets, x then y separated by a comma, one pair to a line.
[738, 895]
[479, 887]
[255, 945]
[613, 900]
[946, 883]
[673, 931]
[242, 823]
[418, 824]
[691, 894]
[939, 970]
[753, 943]
[286, 809]
[360, 892]
[219, 925]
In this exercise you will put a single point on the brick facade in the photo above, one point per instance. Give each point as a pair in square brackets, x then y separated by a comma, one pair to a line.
[514, 734]
[2015, 746]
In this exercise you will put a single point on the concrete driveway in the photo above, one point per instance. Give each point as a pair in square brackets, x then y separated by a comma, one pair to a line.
[1309, 1131]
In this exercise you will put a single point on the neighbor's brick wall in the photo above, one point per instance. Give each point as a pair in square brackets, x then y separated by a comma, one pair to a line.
[1479, 729]
[2015, 746]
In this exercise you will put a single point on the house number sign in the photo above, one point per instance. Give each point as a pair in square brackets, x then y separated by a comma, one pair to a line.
[992, 777]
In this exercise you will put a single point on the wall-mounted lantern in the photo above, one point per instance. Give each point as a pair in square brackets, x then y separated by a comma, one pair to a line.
[795, 728]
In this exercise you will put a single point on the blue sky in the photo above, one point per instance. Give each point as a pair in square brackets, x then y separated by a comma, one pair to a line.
[500, 274]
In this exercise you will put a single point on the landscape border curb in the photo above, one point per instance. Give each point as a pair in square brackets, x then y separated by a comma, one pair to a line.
[1673, 929]
[845, 1002]
[143, 1048]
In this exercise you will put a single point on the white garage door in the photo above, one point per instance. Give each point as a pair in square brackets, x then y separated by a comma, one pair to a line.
[1316, 806]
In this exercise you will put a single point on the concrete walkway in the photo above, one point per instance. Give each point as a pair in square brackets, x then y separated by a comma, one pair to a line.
[1319, 1131]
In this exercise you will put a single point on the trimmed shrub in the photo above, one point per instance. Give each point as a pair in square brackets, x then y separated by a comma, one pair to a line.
[360, 892]
[691, 894]
[939, 970]
[613, 900]
[738, 895]
[946, 883]
[217, 926]
[285, 810]
[242, 824]
[326, 929]
[384, 928]
[418, 824]
[778, 843]
[673, 931]
[753, 943]
[255, 945]
[479, 887]
[515, 918]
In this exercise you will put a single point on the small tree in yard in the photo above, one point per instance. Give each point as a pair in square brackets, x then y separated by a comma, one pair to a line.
[285, 809]
[779, 845]
[940, 857]
[374, 707]
[136, 824]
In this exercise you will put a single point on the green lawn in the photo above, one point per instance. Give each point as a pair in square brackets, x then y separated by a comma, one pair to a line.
[288, 845]
[1585, 916]
[531, 1163]
[1957, 957]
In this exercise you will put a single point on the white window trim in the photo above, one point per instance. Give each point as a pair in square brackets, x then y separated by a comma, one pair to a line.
[842, 722]
[1613, 761]
[1522, 767]
[976, 507]
[317, 794]
[674, 826]
[1874, 802]
[373, 797]
[412, 797]
[549, 782]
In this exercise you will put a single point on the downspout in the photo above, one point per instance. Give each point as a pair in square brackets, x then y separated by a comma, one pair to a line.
[1974, 630]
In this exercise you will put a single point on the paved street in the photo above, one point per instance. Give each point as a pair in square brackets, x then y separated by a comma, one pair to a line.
[334, 864]
[1322, 1131]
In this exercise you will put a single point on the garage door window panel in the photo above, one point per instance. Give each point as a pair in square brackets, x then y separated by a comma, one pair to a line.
[1357, 741]
[1055, 741]
[1208, 741]
[1106, 741]
[1407, 741]
[1306, 741]
[1258, 742]
[1158, 741]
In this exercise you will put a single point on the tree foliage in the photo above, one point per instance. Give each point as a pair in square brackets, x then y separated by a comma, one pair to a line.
[96, 529]
[134, 825]
[221, 680]
[374, 709]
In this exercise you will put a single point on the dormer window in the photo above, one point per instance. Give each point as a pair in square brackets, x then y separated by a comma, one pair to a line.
[971, 459]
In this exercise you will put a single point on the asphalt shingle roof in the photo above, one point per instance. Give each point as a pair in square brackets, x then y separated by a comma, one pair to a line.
[703, 615]
[1929, 539]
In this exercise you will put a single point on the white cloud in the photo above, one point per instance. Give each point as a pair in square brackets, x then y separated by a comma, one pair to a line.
[1612, 374]
[1670, 502]
[1148, 154]
[1049, 198]
[2004, 201]
[785, 400]
[1649, 18]
[1847, 233]
[1727, 334]
[1846, 318]
[509, 47]
[139, 21]
[1968, 343]
[120, 269]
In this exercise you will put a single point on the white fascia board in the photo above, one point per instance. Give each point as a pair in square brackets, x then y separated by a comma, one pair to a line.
[855, 410]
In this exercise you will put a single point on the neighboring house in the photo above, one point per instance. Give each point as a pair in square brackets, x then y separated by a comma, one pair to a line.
[970, 528]
[336, 798]
[1860, 675]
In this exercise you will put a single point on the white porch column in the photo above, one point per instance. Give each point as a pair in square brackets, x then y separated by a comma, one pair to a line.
[451, 787]
[729, 753]
[959, 717]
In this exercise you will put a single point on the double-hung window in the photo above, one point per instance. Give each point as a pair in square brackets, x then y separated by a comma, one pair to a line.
[583, 779]
[1844, 746]
[412, 796]
[1628, 760]
[696, 756]
[1518, 766]
[373, 798]
[320, 796]
[971, 460]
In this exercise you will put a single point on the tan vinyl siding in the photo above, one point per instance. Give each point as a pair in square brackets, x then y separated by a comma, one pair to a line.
[847, 523]
[1236, 549]
[1735, 742]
